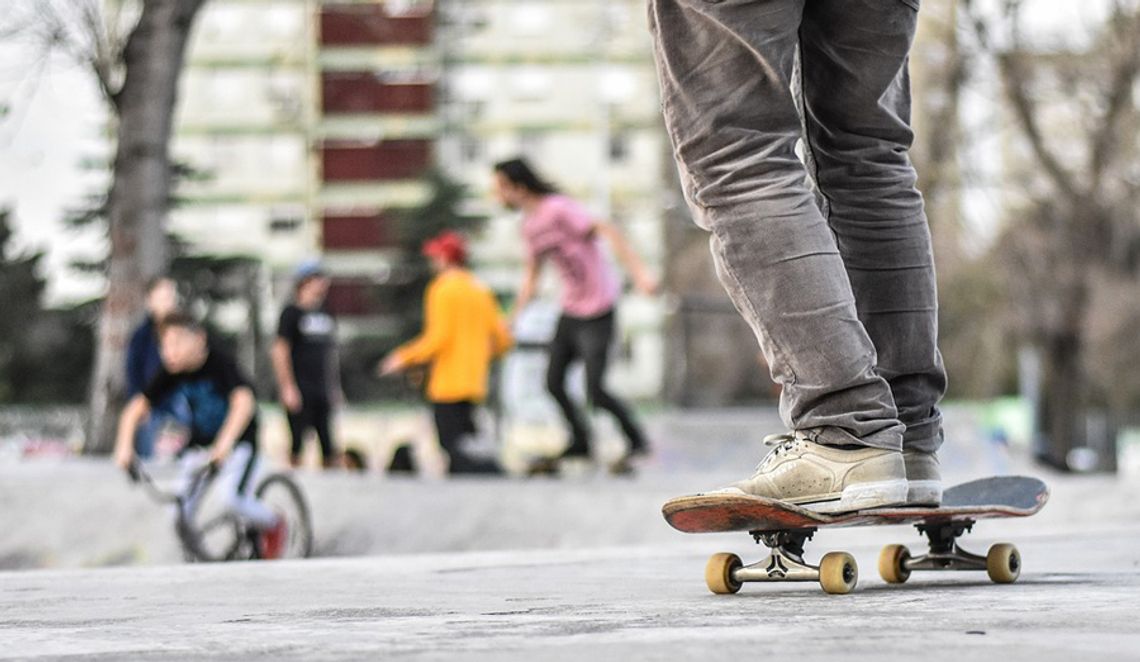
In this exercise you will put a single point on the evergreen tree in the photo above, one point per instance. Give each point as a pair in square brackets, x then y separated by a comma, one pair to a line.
[45, 355]
[442, 211]
[20, 293]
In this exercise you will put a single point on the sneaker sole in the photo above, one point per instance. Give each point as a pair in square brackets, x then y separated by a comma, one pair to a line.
[861, 496]
[924, 493]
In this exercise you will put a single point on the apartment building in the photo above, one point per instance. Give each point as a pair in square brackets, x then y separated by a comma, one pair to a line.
[306, 125]
[309, 125]
[570, 84]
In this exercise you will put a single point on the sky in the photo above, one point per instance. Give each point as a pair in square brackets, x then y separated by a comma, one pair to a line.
[51, 121]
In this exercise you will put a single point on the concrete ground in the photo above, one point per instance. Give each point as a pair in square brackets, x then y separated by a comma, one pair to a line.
[548, 569]
[1076, 599]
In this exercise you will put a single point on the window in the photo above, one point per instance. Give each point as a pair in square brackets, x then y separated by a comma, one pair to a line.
[619, 146]
[285, 220]
[531, 144]
[530, 20]
[530, 83]
[470, 149]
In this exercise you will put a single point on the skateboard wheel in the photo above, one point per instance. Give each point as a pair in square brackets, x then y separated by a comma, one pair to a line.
[838, 573]
[892, 564]
[1003, 563]
[718, 573]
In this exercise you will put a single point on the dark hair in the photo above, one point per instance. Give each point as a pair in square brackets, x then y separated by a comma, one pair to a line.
[519, 172]
[180, 319]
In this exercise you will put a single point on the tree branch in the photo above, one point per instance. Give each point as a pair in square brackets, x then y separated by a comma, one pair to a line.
[103, 53]
[1014, 74]
[1012, 67]
[1125, 71]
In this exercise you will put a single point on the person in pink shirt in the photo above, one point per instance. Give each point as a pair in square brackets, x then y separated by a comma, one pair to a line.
[559, 230]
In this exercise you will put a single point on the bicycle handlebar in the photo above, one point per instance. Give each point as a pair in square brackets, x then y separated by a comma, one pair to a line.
[138, 474]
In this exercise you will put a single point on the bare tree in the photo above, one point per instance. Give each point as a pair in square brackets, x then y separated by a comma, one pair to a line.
[1073, 224]
[135, 49]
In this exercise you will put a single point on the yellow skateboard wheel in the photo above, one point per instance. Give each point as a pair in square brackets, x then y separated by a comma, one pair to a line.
[1003, 563]
[718, 573]
[838, 573]
[892, 564]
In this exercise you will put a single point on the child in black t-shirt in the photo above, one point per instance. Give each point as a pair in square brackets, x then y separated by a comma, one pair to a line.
[223, 418]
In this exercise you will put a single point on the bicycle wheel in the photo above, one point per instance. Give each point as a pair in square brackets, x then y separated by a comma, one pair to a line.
[209, 531]
[283, 496]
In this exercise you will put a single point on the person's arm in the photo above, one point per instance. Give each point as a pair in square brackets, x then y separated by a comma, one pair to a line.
[241, 410]
[531, 273]
[282, 354]
[136, 363]
[439, 323]
[642, 279]
[501, 339]
[133, 414]
[288, 331]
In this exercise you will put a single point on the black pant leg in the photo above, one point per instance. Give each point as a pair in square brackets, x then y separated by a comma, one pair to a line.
[321, 419]
[563, 351]
[453, 422]
[298, 424]
[594, 339]
[448, 425]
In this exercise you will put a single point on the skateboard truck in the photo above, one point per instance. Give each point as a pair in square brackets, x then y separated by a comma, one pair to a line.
[785, 563]
[836, 572]
[1002, 562]
[945, 554]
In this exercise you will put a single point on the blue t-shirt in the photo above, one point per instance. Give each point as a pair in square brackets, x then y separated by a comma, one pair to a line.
[207, 391]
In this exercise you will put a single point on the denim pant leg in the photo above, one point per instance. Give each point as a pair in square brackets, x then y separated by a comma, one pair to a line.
[725, 69]
[856, 93]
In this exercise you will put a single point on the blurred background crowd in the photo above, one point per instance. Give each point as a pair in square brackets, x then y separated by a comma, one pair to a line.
[227, 142]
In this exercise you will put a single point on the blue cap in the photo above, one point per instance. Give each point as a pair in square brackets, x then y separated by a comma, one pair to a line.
[308, 269]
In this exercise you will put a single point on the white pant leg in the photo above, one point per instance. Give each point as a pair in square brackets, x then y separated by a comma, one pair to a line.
[189, 463]
[238, 498]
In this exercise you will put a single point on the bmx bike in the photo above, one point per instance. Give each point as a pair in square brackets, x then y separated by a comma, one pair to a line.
[209, 532]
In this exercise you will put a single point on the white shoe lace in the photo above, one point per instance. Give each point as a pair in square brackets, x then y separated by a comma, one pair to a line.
[783, 443]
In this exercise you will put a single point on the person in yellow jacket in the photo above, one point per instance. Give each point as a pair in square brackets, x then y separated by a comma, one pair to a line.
[463, 332]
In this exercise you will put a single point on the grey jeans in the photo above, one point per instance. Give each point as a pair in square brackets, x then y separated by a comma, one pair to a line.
[828, 256]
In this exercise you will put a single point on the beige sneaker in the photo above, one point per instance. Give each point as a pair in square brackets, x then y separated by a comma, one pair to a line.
[923, 479]
[826, 479]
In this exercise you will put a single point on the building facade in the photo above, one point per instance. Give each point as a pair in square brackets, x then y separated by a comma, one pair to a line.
[308, 126]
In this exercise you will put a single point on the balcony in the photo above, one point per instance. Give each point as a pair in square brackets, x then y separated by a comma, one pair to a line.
[353, 297]
[347, 25]
[357, 232]
[347, 162]
[358, 93]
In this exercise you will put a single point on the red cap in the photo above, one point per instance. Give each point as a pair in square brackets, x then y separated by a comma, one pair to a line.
[447, 245]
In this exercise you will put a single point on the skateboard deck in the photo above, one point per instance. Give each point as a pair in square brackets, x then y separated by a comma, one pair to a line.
[985, 498]
[785, 529]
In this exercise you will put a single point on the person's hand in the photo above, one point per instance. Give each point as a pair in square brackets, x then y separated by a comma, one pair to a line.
[124, 455]
[291, 398]
[390, 365]
[646, 284]
[218, 454]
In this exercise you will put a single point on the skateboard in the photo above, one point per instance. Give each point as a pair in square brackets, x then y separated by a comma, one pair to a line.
[785, 528]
